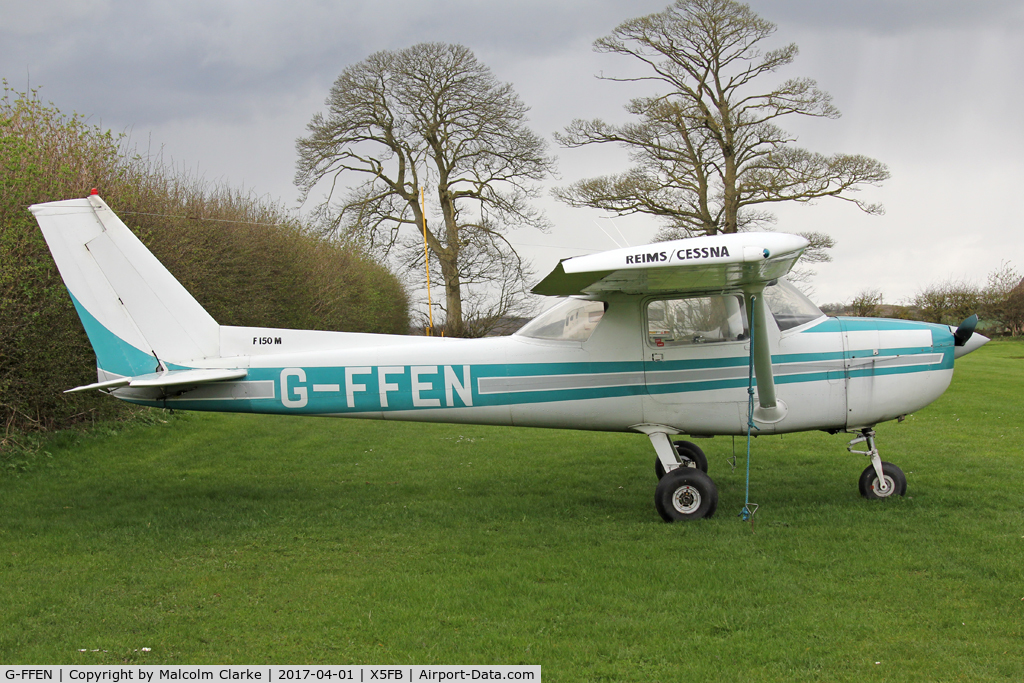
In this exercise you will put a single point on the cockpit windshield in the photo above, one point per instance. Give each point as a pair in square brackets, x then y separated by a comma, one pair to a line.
[789, 305]
[571, 320]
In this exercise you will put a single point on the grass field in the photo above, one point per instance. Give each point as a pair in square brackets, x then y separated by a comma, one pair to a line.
[236, 539]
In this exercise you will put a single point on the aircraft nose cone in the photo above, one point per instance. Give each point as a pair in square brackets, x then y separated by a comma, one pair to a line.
[975, 342]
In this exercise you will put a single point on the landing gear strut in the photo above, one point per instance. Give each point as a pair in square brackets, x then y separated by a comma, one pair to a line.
[879, 479]
[688, 454]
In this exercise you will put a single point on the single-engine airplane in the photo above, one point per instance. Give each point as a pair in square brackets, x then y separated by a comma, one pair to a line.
[661, 339]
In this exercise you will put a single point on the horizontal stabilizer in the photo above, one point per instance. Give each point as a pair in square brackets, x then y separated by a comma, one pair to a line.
[109, 384]
[169, 378]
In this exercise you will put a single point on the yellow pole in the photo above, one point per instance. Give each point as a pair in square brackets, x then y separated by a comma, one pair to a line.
[426, 258]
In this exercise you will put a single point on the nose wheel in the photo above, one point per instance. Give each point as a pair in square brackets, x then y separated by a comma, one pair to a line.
[879, 479]
[892, 483]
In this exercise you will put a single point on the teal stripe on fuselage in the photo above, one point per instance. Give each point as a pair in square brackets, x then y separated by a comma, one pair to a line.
[941, 338]
[842, 324]
[940, 332]
[326, 390]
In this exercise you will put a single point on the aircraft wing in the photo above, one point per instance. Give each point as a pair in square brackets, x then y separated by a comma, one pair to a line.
[168, 378]
[699, 264]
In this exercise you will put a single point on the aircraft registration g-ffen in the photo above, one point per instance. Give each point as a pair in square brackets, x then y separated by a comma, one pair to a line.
[665, 339]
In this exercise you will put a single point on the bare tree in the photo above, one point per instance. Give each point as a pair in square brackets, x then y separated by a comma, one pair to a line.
[708, 155]
[431, 116]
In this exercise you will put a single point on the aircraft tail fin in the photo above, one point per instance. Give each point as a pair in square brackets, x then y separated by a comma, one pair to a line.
[139, 318]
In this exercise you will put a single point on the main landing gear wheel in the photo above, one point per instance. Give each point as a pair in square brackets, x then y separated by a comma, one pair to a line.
[685, 493]
[690, 455]
[894, 482]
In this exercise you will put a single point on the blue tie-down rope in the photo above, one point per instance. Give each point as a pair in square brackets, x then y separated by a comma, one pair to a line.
[747, 513]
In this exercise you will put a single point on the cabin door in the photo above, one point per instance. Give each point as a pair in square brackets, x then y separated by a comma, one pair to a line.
[695, 362]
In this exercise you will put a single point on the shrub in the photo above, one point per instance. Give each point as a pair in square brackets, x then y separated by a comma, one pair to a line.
[1003, 301]
[948, 302]
[866, 304]
[244, 258]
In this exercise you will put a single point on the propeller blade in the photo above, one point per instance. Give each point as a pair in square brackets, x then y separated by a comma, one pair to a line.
[964, 332]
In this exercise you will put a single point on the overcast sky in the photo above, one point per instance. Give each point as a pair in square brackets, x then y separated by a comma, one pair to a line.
[932, 88]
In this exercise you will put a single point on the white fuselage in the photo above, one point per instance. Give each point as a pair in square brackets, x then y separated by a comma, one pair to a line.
[831, 374]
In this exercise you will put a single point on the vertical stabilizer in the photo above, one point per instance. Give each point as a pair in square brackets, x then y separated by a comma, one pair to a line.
[136, 314]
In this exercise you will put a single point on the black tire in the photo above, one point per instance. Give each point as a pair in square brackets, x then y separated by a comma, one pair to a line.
[689, 451]
[868, 483]
[689, 455]
[685, 493]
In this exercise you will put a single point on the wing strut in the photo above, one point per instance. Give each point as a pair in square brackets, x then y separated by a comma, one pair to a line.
[770, 408]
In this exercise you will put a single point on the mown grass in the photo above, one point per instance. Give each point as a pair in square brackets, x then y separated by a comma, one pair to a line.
[246, 539]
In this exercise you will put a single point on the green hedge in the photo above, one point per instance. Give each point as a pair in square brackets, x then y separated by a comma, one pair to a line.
[246, 259]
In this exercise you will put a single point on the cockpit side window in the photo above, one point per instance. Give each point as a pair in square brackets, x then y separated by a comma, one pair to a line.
[789, 305]
[696, 320]
[571, 320]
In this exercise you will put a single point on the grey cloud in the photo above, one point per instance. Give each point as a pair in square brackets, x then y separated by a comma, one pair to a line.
[154, 62]
[890, 16]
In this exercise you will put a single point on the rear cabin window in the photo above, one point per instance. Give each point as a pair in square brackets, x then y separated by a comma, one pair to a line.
[571, 320]
[696, 320]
